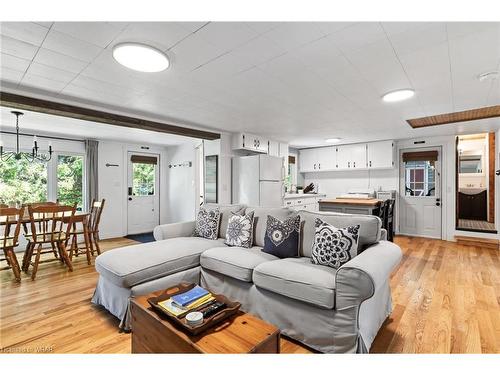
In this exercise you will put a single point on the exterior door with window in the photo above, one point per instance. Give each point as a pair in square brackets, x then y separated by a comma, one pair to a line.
[143, 193]
[420, 191]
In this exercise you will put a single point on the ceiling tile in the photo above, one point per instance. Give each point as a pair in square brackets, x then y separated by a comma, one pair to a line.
[260, 50]
[262, 27]
[193, 52]
[358, 35]
[227, 35]
[32, 80]
[100, 33]
[460, 29]
[10, 75]
[333, 27]
[162, 35]
[67, 45]
[290, 35]
[60, 61]
[318, 54]
[17, 48]
[51, 73]
[422, 36]
[378, 64]
[28, 32]
[14, 63]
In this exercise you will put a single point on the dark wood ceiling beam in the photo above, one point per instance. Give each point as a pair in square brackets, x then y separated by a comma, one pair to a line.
[449, 118]
[82, 113]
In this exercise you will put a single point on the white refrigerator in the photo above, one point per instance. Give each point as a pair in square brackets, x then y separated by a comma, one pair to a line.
[258, 180]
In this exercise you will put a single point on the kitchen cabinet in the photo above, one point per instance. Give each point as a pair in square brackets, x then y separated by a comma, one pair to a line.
[318, 159]
[273, 148]
[380, 155]
[250, 142]
[308, 202]
[351, 156]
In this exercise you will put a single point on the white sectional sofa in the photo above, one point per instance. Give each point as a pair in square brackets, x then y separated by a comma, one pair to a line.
[330, 310]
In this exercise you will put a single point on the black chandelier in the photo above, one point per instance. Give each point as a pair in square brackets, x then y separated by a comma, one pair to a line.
[29, 156]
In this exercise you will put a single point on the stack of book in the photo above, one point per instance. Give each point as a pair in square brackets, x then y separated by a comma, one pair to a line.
[194, 299]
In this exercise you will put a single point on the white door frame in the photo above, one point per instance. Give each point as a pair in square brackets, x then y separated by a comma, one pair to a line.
[128, 154]
[442, 182]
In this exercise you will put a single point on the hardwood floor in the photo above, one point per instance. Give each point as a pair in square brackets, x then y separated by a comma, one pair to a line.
[446, 300]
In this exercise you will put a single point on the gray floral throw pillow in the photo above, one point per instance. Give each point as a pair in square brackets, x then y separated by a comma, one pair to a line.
[207, 223]
[240, 230]
[333, 246]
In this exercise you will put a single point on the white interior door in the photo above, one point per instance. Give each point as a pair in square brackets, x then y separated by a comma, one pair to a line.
[420, 204]
[143, 198]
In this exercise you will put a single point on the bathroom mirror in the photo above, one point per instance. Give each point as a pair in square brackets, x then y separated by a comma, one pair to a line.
[471, 163]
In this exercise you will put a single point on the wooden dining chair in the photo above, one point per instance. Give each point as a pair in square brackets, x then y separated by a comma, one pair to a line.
[389, 220]
[93, 224]
[26, 227]
[10, 219]
[49, 224]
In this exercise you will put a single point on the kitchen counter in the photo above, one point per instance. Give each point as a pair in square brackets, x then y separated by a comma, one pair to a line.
[351, 201]
[361, 206]
[307, 195]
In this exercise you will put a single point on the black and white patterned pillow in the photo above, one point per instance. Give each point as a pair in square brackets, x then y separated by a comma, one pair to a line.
[207, 223]
[282, 237]
[240, 230]
[333, 246]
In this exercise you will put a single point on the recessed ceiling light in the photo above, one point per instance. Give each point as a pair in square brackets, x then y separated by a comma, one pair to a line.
[332, 140]
[397, 95]
[491, 75]
[140, 57]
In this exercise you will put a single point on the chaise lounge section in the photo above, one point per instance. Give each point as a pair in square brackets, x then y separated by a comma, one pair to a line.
[330, 310]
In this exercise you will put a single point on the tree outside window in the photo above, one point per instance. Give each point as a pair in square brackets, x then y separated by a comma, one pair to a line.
[70, 180]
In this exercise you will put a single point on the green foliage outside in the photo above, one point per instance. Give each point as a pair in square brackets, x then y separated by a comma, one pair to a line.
[22, 181]
[25, 182]
[70, 180]
[144, 179]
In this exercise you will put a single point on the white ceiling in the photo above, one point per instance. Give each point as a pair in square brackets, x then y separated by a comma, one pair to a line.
[50, 125]
[295, 82]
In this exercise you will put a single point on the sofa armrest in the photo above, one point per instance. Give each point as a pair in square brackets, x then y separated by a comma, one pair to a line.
[182, 229]
[358, 279]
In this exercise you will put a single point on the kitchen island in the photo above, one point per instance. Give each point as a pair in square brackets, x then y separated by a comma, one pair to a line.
[364, 206]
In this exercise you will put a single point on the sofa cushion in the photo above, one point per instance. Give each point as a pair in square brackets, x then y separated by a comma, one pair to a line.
[136, 264]
[282, 237]
[207, 223]
[225, 212]
[260, 220]
[369, 230]
[236, 262]
[240, 230]
[334, 246]
[299, 279]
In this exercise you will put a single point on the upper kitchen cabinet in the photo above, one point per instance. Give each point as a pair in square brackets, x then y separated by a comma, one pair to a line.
[351, 156]
[317, 159]
[380, 155]
[274, 148]
[250, 142]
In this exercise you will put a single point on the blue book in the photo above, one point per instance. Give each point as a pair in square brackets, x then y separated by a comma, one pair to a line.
[190, 296]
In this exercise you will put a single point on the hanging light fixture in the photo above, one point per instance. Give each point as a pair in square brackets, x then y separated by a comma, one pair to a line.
[29, 156]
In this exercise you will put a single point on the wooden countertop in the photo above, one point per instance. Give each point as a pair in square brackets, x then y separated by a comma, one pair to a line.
[351, 201]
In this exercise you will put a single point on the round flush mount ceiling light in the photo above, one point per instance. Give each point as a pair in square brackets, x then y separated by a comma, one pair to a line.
[332, 140]
[140, 57]
[398, 95]
[488, 76]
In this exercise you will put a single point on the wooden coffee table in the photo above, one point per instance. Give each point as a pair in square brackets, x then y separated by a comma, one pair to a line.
[242, 333]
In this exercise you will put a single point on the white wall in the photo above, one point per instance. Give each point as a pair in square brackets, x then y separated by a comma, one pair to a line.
[177, 197]
[180, 204]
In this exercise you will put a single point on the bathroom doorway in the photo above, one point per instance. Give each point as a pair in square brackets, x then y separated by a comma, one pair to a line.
[475, 171]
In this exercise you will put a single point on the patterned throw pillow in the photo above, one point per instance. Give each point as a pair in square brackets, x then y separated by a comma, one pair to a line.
[282, 237]
[332, 246]
[240, 230]
[207, 223]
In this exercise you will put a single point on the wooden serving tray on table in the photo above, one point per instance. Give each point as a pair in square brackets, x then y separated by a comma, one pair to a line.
[231, 309]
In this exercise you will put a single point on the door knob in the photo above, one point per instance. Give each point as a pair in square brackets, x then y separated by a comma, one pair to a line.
[438, 204]
[129, 198]
[497, 172]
